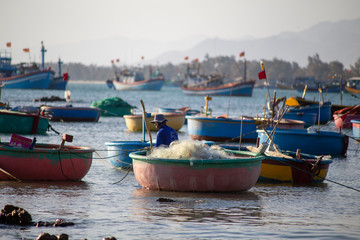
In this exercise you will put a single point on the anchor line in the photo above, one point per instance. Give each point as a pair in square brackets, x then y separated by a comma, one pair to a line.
[61, 167]
[129, 169]
[51, 128]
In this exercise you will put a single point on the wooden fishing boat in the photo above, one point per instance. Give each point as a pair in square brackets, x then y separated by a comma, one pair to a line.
[135, 124]
[228, 89]
[203, 175]
[356, 129]
[118, 152]
[24, 76]
[45, 162]
[343, 117]
[71, 114]
[215, 84]
[230, 129]
[59, 82]
[133, 80]
[287, 167]
[316, 142]
[23, 123]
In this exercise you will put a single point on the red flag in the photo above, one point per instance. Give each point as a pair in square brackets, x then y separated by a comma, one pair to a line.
[262, 75]
[26, 49]
[186, 58]
[142, 58]
[8, 44]
[65, 76]
[117, 60]
[112, 61]
[241, 54]
[196, 60]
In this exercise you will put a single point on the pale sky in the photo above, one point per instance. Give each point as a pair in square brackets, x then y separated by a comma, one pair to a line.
[27, 22]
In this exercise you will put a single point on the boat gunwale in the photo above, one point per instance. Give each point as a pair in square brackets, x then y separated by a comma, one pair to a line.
[47, 148]
[92, 109]
[169, 114]
[22, 114]
[304, 132]
[251, 158]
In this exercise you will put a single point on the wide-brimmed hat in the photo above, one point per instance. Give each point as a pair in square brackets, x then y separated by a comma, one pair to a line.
[159, 118]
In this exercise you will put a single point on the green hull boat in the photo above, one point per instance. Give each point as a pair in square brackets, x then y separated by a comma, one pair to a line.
[22, 123]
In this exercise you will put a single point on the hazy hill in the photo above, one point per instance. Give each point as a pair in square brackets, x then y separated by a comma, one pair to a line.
[331, 40]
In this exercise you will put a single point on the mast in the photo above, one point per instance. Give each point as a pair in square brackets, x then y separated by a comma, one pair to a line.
[43, 51]
[60, 62]
[244, 69]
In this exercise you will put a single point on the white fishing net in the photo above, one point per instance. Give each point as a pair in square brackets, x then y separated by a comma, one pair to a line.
[189, 149]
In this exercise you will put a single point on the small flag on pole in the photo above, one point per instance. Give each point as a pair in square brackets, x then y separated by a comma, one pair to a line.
[26, 49]
[186, 58]
[262, 75]
[8, 44]
[65, 77]
[241, 54]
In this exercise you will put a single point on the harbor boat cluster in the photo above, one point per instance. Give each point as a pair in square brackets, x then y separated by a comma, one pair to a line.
[287, 143]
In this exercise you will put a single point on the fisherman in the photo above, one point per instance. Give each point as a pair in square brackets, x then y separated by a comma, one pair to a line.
[165, 134]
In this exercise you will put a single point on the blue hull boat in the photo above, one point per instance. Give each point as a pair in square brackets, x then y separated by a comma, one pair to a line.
[118, 152]
[316, 143]
[221, 129]
[230, 129]
[24, 76]
[325, 111]
[34, 80]
[71, 114]
[308, 118]
[231, 89]
[58, 83]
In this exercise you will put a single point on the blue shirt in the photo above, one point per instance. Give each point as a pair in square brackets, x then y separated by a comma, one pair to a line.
[165, 136]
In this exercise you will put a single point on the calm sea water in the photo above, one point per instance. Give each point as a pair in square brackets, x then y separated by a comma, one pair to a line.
[100, 208]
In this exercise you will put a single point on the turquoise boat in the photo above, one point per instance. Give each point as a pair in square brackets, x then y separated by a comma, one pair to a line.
[316, 143]
[22, 123]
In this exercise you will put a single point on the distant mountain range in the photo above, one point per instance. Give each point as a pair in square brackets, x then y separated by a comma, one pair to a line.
[333, 41]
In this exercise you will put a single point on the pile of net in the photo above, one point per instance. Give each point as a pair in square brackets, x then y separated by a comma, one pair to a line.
[110, 102]
[189, 149]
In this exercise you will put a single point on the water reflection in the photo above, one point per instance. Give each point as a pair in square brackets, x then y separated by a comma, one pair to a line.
[242, 207]
[66, 188]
